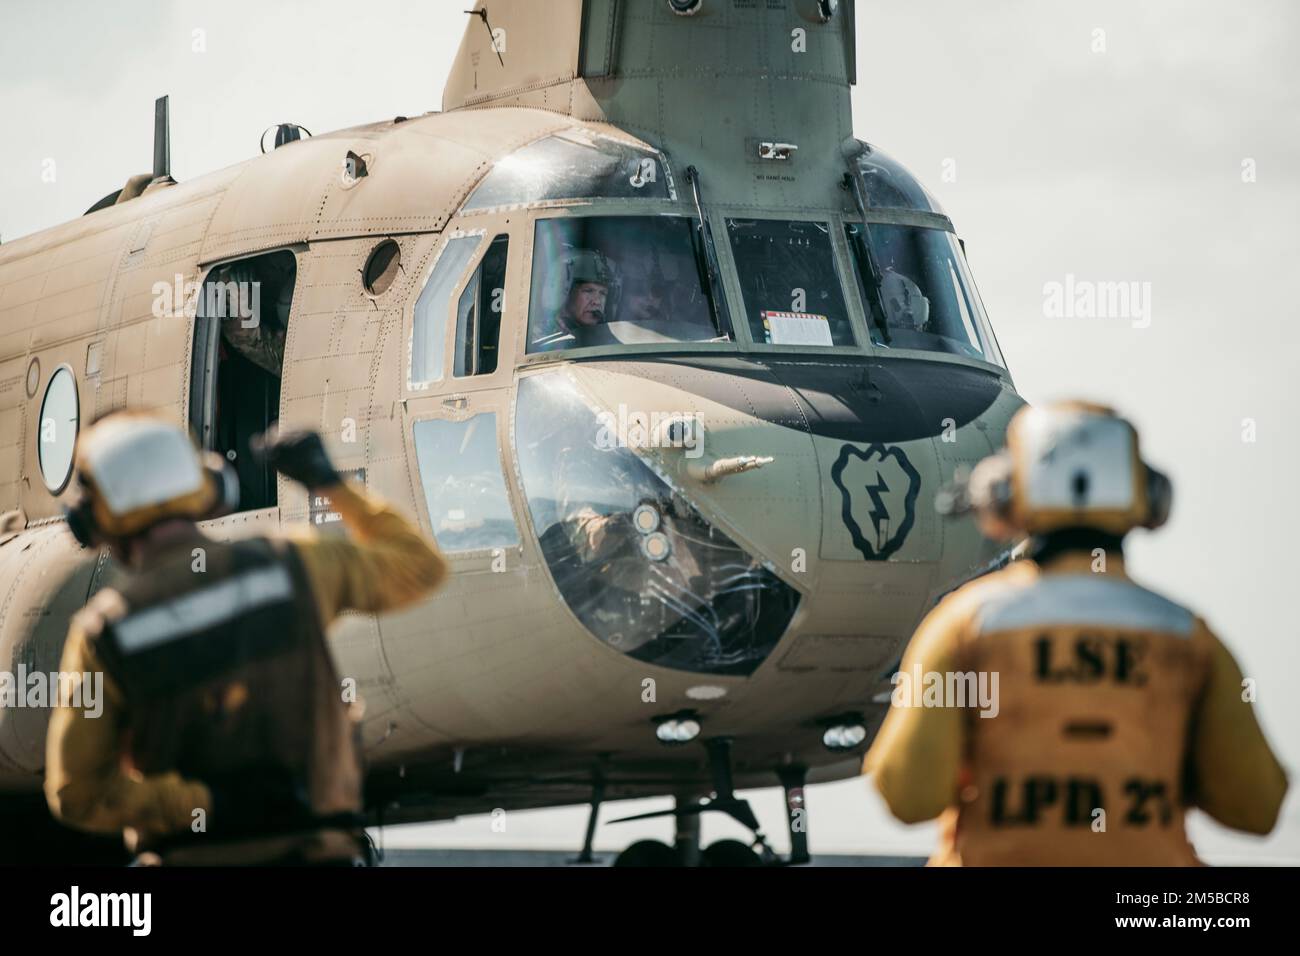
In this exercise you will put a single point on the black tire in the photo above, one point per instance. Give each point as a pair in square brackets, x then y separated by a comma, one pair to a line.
[648, 853]
[729, 853]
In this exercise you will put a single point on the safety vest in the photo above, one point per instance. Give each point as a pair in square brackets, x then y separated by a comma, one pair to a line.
[1084, 762]
[228, 680]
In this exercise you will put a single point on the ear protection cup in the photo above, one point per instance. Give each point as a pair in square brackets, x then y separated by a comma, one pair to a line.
[1001, 496]
[225, 479]
[81, 522]
[990, 495]
[990, 486]
[1160, 498]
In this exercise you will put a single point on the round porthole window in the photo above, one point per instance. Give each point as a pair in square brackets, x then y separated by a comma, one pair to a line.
[60, 418]
[382, 267]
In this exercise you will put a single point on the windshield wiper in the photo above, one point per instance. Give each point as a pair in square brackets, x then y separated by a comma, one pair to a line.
[867, 267]
[705, 258]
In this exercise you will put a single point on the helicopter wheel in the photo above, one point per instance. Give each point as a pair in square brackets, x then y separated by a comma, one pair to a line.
[648, 853]
[729, 853]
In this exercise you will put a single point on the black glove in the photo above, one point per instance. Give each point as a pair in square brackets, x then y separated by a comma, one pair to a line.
[299, 455]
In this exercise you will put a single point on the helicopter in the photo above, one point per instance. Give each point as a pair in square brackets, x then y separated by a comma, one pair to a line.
[668, 362]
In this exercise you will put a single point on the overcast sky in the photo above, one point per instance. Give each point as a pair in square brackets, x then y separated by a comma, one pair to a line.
[1109, 165]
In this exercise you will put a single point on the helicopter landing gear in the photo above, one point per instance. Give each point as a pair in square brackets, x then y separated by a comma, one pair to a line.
[722, 853]
[584, 856]
[648, 853]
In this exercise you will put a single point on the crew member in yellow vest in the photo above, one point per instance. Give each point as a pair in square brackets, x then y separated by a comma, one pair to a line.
[1115, 709]
[225, 736]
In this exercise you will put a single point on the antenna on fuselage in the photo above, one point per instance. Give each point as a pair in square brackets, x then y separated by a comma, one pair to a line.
[162, 139]
[482, 14]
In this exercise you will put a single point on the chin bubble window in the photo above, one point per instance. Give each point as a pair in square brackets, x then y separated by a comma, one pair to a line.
[637, 564]
[618, 280]
[791, 290]
[917, 291]
[464, 488]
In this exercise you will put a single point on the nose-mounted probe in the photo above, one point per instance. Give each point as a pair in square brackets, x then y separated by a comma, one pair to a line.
[684, 433]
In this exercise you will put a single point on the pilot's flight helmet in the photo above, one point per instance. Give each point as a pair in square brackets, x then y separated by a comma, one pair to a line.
[591, 265]
[1068, 465]
[588, 265]
[906, 306]
[135, 469]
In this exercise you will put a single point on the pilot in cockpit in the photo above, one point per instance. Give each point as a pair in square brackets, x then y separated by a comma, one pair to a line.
[906, 306]
[589, 278]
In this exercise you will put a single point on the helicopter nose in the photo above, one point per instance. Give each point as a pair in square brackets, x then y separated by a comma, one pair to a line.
[758, 478]
[828, 471]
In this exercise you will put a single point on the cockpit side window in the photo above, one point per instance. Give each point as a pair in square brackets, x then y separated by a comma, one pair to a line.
[791, 290]
[918, 292]
[618, 280]
[573, 164]
[478, 314]
[429, 329]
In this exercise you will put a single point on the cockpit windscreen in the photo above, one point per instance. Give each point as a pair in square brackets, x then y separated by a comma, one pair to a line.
[917, 291]
[791, 289]
[617, 280]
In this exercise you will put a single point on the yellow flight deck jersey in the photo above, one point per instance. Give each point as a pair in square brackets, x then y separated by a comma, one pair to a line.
[383, 563]
[1116, 710]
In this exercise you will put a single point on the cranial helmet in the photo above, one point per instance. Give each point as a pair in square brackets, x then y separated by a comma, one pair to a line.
[1068, 465]
[135, 469]
[588, 265]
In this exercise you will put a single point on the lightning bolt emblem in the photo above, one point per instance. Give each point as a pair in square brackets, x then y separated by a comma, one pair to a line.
[879, 514]
[878, 510]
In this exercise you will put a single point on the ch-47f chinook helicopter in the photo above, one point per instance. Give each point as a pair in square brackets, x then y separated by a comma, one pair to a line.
[669, 364]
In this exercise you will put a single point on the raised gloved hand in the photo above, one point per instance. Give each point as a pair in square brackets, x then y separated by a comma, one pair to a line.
[299, 455]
